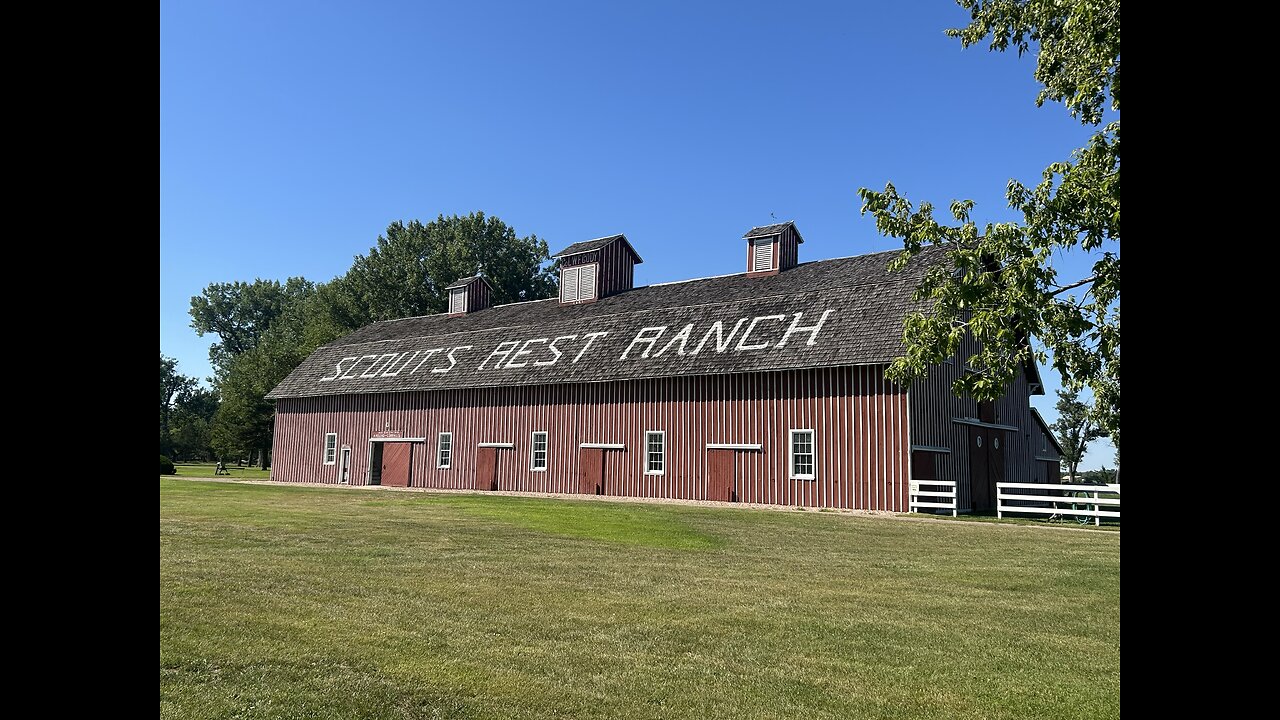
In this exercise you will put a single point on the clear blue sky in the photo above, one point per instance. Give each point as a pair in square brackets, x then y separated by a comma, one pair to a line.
[292, 133]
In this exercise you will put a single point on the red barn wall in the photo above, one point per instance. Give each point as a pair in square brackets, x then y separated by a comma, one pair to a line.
[859, 419]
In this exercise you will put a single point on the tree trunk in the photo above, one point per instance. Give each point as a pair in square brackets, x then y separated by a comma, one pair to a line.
[1071, 473]
[262, 456]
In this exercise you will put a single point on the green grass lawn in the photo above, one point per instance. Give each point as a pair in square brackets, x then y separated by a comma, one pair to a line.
[206, 470]
[280, 602]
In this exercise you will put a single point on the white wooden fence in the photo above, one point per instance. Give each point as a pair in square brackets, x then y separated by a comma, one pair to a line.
[945, 498]
[1062, 500]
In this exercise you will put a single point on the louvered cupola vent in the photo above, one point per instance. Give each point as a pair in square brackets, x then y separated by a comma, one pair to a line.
[596, 269]
[772, 248]
[468, 295]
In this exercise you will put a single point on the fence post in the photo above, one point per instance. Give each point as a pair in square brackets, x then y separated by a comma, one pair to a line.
[1097, 519]
[999, 501]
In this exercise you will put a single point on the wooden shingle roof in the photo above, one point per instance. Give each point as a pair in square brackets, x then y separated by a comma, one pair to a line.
[771, 230]
[590, 245]
[463, 282]
[719, 325]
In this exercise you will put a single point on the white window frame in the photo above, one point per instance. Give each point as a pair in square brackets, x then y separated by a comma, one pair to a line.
[439, 439]
[773, 253]
[533, 450]
[648, 469]
[791, 452]
[577, 282]
[458, 292]
[330, 448]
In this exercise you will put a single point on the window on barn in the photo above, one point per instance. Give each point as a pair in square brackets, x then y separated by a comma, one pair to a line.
[330, 448]
[655, 444]
[578, 283]
[538, 452]
[444, 450]
[458, 300]
[802, 463]
[762, 254]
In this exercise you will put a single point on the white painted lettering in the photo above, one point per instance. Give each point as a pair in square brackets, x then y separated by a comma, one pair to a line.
[590, 338]
[337, 372]
[452, 361]
[722, 343]
[524, 350]
[387, 372]
[425, 357]
[378, 365]
[351, 373]
[742, 344]
[681, 337]
[813, 330]
[502, 351]
[647, 336]
[552, 347]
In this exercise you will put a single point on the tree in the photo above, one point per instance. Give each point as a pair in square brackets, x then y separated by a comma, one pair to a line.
[239, 313]
[406, 272]
[172, 383]
[266, 329]
[1000, 284]
[1075, 429]
[243, 424]
[190, 423]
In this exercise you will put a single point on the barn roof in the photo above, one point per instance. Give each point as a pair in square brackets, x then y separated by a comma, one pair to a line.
[589, 245]
[830, 313]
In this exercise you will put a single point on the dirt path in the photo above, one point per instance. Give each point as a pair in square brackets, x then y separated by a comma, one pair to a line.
[651, 501]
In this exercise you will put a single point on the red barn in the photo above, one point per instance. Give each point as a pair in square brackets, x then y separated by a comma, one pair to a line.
[766, 386]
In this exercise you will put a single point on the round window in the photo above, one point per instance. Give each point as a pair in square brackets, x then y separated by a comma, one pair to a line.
[995, 443]
[979, 441]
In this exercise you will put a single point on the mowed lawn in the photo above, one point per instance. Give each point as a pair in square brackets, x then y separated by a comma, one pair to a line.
[280, 602]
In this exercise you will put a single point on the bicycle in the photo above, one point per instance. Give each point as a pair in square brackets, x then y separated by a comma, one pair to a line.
[1080, 501]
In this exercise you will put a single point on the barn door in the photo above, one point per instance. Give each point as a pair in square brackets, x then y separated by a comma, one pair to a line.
[591, 471]
[395, 464]
[344, 474]
[720, 475]
[487, 468]
[995, 462]
[979, 483]
[375, 462]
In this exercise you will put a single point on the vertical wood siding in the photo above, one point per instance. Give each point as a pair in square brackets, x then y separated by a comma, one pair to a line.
[785, 254]
[859, 420]
[934, 408]
[477, 296]
[788, 249]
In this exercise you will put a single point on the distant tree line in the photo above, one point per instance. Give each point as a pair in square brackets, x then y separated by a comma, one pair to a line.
[186, 414]
[266, 328]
